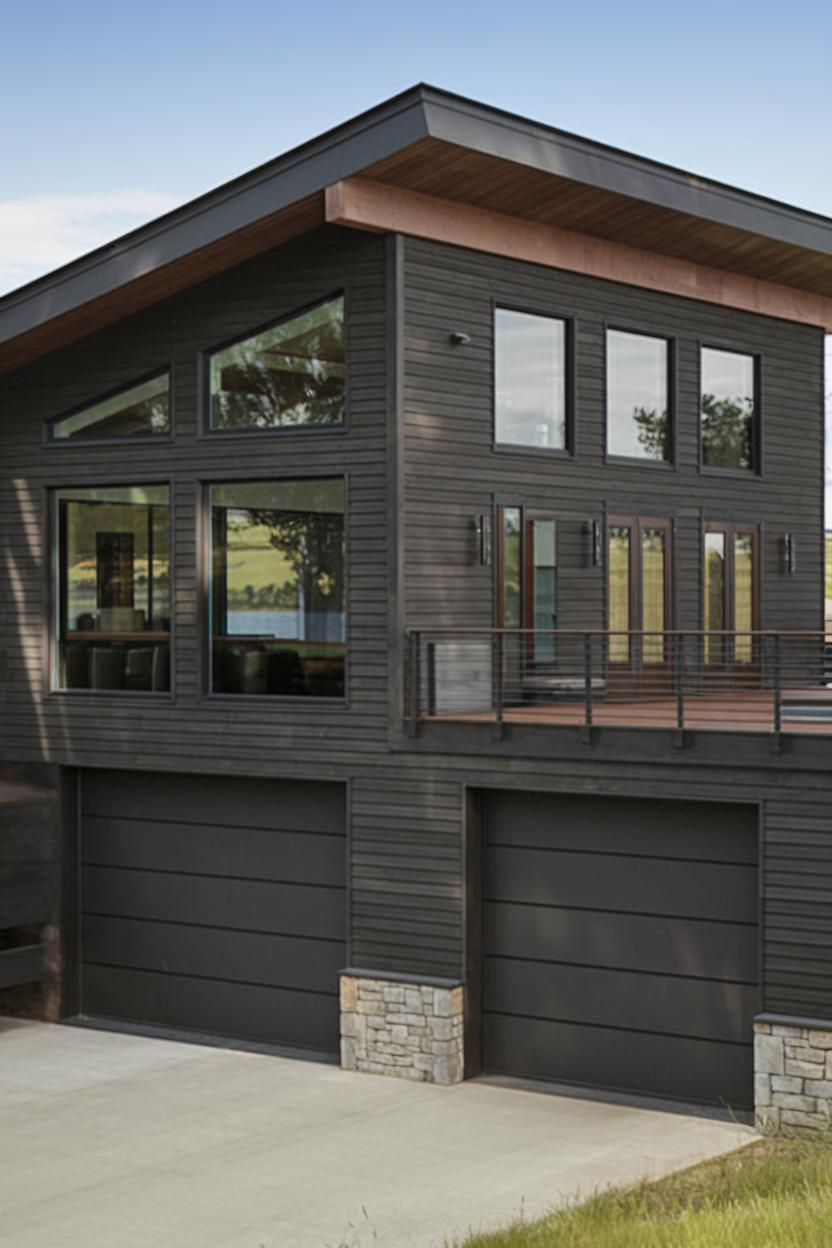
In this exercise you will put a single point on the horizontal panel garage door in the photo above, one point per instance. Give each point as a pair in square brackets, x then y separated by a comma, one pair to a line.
[214, 904]
[620, 944]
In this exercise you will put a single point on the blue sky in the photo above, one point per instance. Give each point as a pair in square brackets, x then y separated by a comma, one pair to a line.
[113, 113]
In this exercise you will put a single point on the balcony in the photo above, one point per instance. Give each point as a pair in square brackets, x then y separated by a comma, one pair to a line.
[683, 681]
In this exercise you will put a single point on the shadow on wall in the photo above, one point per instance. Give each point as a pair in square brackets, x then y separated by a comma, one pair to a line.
[29, 791]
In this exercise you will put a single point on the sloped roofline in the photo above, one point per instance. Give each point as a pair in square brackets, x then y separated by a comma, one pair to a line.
[421, 112]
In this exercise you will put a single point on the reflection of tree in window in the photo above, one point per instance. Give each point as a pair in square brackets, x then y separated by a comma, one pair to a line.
[726, 431]
[652, 432]
[292, 374]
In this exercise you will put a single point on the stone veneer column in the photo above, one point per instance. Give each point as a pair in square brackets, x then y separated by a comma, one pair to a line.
[792, 1076]
[410, 1028]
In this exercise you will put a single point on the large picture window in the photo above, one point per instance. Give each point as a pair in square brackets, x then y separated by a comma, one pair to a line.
[530, 386]
[139, 411]
[113, 588]
[638, 396]
[728, 407]
[291, 375]
[277, 588]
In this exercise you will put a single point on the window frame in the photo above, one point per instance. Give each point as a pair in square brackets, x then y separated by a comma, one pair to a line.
[118, 439]
[54, 580]
[206, 429]
[569, 450]
[635, 461]
[732, 529]
[205, 553]
[755, 472]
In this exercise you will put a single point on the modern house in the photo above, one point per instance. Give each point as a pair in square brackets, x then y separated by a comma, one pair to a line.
[412, 618]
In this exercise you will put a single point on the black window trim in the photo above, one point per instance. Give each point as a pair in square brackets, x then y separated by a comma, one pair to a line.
[204, 555]
[52, 597]
[569, 451]
[116, 439]
[635, 461]
[755, 472]
[206, 430]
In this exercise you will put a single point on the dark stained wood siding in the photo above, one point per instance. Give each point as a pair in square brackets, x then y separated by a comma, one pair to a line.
[407, 882]
[453, 471]
[154, 732]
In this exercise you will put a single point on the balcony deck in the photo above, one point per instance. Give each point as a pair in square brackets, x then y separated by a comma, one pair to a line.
[718, 712]
[778, 683]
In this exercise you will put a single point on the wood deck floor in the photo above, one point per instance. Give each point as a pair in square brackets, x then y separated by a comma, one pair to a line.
[747, 711]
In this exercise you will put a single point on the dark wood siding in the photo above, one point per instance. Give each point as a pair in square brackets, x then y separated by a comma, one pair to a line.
[453, 472]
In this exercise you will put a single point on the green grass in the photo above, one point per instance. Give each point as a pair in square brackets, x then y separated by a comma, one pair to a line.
[772, 1194]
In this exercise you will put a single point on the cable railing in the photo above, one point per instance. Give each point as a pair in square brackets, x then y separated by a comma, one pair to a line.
[677, 679]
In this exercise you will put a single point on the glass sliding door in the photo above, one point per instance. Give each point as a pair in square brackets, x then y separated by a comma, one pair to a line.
[527, 581]
[638, 589]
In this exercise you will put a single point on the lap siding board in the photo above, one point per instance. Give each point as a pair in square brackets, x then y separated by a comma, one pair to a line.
[214, 904]
[621, 944]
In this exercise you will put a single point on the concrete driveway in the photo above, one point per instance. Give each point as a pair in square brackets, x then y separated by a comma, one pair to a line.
[110, 1141]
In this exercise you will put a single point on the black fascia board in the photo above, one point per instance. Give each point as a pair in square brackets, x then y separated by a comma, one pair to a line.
[455, 119]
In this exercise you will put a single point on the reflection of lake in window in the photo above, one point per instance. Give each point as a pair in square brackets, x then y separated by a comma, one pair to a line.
[277, 590]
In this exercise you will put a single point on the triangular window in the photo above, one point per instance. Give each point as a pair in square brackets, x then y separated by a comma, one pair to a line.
[141, 410]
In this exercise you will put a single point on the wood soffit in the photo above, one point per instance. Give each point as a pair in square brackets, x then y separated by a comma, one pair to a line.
[372, 204]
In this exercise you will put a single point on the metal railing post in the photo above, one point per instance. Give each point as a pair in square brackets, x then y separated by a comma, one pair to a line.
[778, 696]
[587, 726]
[415, 680]
[679, 677]
[498, 683]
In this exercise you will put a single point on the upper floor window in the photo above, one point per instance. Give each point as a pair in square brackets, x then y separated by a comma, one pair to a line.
[638, 396]
[112, 547]
[138, 411]
[277, 589]
[728, 407]
[287, 376]
[530, 376]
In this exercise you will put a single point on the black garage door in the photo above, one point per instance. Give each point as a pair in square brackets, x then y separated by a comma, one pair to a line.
[214, 904]
[620, 944]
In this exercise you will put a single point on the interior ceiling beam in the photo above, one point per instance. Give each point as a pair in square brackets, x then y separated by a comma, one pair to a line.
[365, 204]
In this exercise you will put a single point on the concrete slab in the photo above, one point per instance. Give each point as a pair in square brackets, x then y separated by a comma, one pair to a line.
[122, 1141]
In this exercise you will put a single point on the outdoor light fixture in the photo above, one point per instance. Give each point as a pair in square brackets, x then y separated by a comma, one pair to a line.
[458, 339]
[594, 532]
[482, 525]
[789, 554]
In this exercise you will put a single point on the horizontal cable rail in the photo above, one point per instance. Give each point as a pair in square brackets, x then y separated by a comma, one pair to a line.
[678, 679]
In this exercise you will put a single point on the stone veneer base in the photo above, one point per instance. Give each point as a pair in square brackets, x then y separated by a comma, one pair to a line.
[412, 1029]
[792, 1077]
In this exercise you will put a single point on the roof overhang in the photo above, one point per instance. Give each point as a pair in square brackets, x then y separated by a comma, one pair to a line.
[431, 143]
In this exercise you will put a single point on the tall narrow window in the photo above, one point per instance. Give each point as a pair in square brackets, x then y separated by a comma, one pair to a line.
[728, 407]
[618, 571]
[113, 588]
[541, 584]
[139, 411]
[638, 587]
[730, 593]
[277, 588]
[638, 396]
[511, 597]
[291, 375]
[530, 368]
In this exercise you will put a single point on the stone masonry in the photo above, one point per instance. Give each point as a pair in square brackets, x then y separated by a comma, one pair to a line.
[413, 1030]
[792, 1077]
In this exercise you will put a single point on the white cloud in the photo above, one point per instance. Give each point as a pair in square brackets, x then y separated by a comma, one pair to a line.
[40, 232]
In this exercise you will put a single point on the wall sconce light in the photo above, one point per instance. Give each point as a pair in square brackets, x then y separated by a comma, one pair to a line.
[485, 541]
[458, 339]
[595, 540]
[789, 554]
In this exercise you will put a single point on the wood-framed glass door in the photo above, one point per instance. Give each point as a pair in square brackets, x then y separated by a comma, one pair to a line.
[730, 595]
[527, 577]
[639, 580]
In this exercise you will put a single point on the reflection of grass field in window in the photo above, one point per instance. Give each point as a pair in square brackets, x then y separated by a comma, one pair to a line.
[258, 574]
